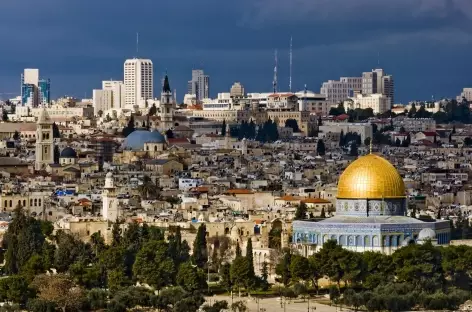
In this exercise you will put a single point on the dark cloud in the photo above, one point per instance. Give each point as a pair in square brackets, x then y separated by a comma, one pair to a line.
[79, 43]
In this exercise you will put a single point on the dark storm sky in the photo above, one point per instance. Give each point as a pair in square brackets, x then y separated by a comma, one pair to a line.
[425, 44]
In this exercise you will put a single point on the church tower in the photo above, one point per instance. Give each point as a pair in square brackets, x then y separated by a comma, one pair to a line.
[109, 201]
[44, 141]
[167, 106]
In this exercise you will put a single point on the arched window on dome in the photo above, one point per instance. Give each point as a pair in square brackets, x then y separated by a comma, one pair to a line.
[367, 241]
[343, 240]
[359, 241]
[375, 241]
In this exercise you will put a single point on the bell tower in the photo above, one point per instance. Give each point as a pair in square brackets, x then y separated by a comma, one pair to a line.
[44, 141]
[167, 106]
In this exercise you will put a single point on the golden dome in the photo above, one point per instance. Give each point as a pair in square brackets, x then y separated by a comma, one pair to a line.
[370, 177]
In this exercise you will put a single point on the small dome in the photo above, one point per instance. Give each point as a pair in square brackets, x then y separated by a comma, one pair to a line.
[135, 141]
[68, 152]
[370, 177]
[109, 175]
[427, 234]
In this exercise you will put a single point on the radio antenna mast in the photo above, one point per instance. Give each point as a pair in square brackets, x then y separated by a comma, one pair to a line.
[274, 83]
[290, 79]
[137, 44]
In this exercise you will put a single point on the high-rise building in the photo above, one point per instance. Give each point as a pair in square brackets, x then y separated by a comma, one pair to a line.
[118, 89]
[377, 82]
[102, 101]
[338, 91]
[237, 90]
[34, 91]
[44, 91]
[199, 85]
[138, 81]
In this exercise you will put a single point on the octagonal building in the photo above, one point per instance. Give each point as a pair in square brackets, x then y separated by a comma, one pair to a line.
[371, 213]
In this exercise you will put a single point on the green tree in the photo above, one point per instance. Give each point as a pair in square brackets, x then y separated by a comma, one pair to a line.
[14, 289]
[57, 154]
[152, 110]
[292, 123]
[240, 272]
[299, 268]
[320, 147]
[147, 189]
[225, 276]
[116, 234]
[353, 151]
[300, 213]
[4, 115]
[282, 268]
[200, 252]
[250, 258]
[56, 134]
[323, 213]
[223, 128]
[412, 112]
[60, 290]
[154, 265]
[129, 128]
[191, 278]
[238, 252]
[16, 136]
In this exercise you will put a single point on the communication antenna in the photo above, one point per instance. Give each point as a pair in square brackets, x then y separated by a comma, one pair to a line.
[274, 83]
[290, 80]
[137, 44]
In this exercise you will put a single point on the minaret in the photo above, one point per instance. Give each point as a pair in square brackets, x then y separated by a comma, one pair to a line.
[44, 141]
[109, 201]
[227, 138]
[167, 106]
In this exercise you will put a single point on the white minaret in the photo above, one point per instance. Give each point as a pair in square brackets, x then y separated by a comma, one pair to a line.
[109, 201]
[44, 141]
[228, 138]
[167, 106]
[244, 147]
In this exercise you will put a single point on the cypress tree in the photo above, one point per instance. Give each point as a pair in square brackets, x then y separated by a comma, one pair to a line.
[250, 257]
[200, 253]
[223, 128]
[238, 250]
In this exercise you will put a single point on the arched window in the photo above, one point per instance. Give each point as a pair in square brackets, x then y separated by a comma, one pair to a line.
[39, 202]
[11, 203]
[35, 202]
[155, 148]
[24, 202]
[31, 202]
[5, 203]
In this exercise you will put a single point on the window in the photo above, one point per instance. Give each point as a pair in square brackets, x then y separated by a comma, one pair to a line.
[35, 202]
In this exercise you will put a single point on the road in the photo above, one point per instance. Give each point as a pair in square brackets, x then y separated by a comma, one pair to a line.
[273, 305]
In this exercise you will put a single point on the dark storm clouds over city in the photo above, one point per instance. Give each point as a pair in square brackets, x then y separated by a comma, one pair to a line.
[425, 44]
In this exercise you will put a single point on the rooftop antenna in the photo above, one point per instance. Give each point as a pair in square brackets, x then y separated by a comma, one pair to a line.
[378, 58]
[304, 98]
[137, 44]
[290, 80]
[274, 83]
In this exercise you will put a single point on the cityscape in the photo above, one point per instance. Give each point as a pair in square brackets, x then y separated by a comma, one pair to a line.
[155, 193]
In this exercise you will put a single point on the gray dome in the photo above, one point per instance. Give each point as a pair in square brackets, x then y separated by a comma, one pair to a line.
[426, 234]
[68, 152]
[135, 141]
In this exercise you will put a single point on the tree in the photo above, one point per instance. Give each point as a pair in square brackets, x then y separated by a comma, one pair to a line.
[4, 115]
[353, 150]
[323, 213]
[191, 278]
[147, 189]
[300, 213]
[265, 275]
[116, 234]
[241, 272]
[16, 136]
[57, 154]
[341, 139]
[55, 131]
[412, 112]
[299, 268]
[398, 142]
[292, 123]
[238, 250]
[200, 252]
[239, 306]
[250, 258]
[60, 290]
[320, 148]
[225, 276]
[223, 128]
[218, 306]
[100, 113]
[14, 289]
[283, 267]
[154, 265]
[129, 128]
[169, 134]
[152, 110]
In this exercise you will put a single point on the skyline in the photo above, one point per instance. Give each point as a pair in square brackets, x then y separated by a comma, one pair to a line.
[423, 44]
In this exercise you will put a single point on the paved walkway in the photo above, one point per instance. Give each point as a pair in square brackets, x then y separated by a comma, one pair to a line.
[274, 305]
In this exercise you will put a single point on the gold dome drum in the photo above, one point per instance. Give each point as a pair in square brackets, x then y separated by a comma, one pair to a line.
[371, 177]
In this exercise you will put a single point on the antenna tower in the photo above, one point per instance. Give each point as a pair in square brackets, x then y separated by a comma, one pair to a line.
[290, 80]
[137, 44]
[274, 83]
